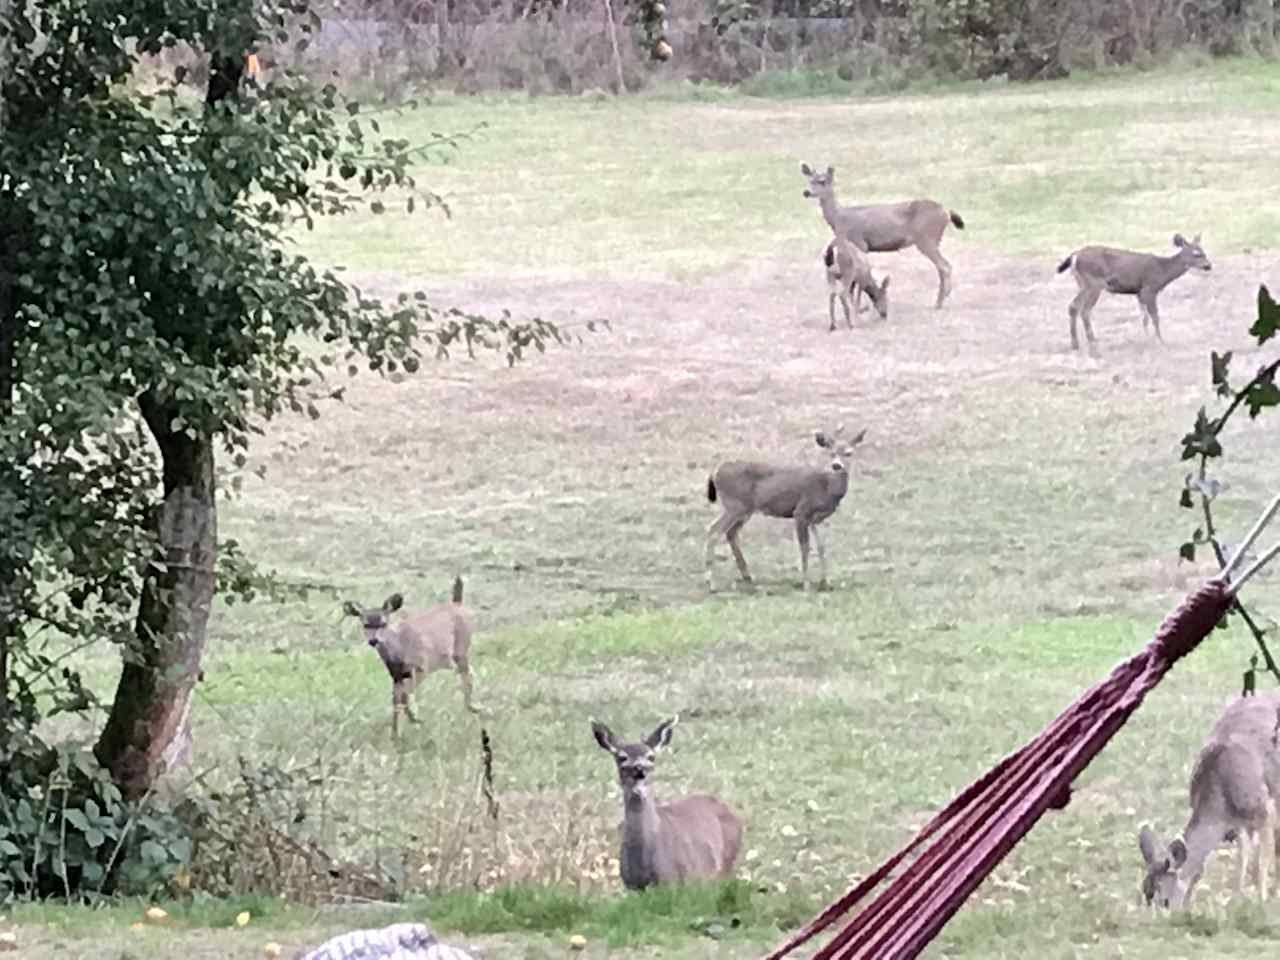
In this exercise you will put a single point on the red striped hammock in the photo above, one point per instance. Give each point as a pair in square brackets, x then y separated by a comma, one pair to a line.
[975, 831]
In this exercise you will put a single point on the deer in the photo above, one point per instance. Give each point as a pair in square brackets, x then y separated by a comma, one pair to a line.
[421, 643]
[849, 273]
[695, 836]
[1234, 785]
[1127, 272]
[886, 227]
[807, 496]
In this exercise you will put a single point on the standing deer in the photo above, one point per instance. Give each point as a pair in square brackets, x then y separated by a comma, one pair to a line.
[849, 273]
[885, 227]
[694, 836]
[1142, 275]
[804, 495]
[1234, 786]
[421, 643]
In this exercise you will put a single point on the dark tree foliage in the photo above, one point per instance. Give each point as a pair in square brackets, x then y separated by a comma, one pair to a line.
[149, 319]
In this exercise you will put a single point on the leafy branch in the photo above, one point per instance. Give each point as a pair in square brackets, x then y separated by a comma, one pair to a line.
[1203, 444]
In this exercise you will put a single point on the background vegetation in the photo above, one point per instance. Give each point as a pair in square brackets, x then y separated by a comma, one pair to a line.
[1013, 528]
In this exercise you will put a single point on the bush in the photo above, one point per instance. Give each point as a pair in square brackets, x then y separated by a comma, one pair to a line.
[66, 831]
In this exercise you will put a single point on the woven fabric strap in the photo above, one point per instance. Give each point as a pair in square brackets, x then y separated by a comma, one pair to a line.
[975, 831]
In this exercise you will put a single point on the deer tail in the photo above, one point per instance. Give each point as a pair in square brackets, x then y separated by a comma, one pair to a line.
[1065, 265]
[957, 219]
[457, 589]
[711, 489]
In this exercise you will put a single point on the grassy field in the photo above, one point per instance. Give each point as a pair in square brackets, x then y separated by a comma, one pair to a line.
[1011, 528]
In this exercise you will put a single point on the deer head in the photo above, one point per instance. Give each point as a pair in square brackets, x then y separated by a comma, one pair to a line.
[1192, 252]
[840, 448]
[374, 619]
[634, 760]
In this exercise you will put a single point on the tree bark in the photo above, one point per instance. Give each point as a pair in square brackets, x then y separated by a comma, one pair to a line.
[152, 700]
[149, 728]
[9, 588]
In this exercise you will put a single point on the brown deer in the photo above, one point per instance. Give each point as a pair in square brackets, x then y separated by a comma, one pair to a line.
[885, 227]
[849, 274]
[433, 639]
[807, 496]
[696, 836]
[1234, 786]
[1142, 275]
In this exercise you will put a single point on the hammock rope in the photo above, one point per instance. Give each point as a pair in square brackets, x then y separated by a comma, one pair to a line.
[974, 832]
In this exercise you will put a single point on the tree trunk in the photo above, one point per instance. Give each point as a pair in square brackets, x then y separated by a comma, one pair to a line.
[9, 587]
[149, 727]
[152, 701]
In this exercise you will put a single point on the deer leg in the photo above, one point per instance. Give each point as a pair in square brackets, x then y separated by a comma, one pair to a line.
[802, 537]
[943, 267]
[856, 290]
[397, 699]
[831, 308]
[844, 302]
[717, 529]
[1073, 311]
[732, 536]
[1266, 850]
[822, 556]
[1086, 311]
[1150, 309]
[1242, 867]
[464, 678]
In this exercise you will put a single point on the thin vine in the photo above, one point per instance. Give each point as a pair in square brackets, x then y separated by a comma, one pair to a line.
[1203, 444]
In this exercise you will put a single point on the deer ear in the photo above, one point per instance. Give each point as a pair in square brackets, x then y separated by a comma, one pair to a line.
[858, 438]
[1177, 853]
[831, 172]
[661, 736]
[604, 736]
[804, 168]
[1179, 240]
[351, 609]
[822, 440]
[1147, 844]
[392, 603]
[1196, 240]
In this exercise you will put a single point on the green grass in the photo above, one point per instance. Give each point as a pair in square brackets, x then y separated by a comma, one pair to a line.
[1010, 532]
[694, 186]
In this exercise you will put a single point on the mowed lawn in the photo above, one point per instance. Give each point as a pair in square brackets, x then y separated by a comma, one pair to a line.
[1011, 528]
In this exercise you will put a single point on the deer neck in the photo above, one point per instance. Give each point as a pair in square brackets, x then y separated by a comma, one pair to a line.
[1201, 837]
[838, 483]
[1170, 269]
[640, 823]
[830, 212]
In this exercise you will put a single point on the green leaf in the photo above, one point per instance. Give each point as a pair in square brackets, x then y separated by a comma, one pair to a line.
[94, 837]
[1185, 500]
[1220, 364]
[152, 852]
[1268, 322]
[1187, 552]
[1262, 393]
[77, 819]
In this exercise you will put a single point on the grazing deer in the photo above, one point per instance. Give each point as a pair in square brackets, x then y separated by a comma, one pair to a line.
[421, 643]
[885, 227]
[804, 495]
[695, 836]
[1234, 786]
[849, 273]
[1142, 275]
